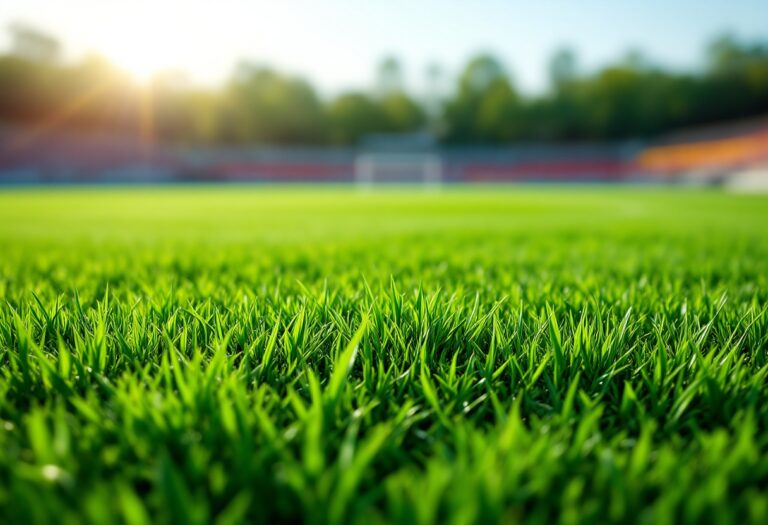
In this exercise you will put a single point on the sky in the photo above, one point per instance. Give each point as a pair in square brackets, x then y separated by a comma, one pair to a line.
[337, 43]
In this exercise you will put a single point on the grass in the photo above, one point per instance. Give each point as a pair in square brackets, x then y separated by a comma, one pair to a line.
[490, 355]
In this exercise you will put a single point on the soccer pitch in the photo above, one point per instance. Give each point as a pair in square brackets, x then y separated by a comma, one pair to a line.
[470, 355]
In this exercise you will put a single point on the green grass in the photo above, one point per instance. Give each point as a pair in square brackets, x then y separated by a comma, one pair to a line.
[325, 356]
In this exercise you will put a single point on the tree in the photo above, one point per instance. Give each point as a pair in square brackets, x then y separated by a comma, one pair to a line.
[401, 113]
[354, 115]
[433, 98]
[261, 105]
[562, 68]
[389, 77]
[484, 105]
[32, 44]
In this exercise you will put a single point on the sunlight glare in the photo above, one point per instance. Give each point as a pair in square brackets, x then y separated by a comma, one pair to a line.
[145, 43]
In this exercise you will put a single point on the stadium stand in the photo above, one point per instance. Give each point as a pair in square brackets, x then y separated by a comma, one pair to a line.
[721, 154]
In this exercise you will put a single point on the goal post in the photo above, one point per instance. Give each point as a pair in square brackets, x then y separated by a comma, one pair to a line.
[398, 168]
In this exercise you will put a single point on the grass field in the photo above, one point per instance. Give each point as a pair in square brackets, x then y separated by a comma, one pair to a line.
[490, 355]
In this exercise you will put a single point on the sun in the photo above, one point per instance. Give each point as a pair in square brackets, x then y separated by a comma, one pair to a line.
[142, 62]
[144, 45]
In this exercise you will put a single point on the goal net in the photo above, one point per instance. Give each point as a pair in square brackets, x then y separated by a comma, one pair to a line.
[398, 168]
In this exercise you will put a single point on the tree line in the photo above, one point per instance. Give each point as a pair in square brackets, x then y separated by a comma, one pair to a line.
[630, 98]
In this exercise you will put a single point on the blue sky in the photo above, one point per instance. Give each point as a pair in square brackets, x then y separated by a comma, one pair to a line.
[336, 43]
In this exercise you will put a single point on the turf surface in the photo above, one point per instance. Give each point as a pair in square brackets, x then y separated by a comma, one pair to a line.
[326, 356]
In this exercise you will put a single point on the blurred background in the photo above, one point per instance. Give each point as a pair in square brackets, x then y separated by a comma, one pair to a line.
[113, 91]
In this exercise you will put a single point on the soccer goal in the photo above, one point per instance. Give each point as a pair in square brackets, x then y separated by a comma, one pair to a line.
[398, 168]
